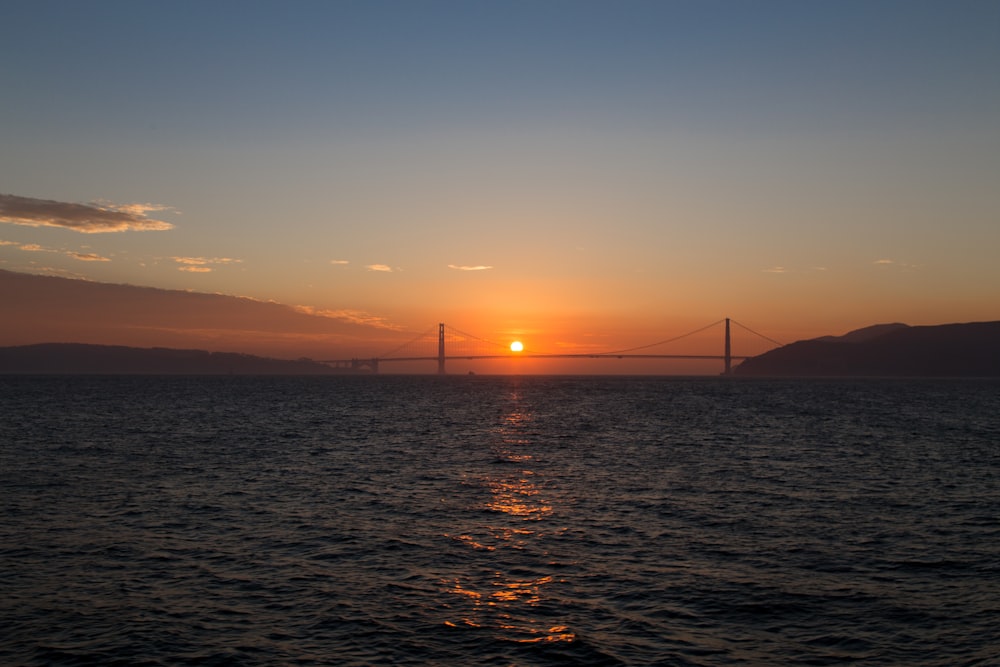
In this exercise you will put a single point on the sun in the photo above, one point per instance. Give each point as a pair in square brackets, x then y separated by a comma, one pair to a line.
[516, 346]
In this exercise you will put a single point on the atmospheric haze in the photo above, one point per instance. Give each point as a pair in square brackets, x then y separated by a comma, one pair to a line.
[578, 176]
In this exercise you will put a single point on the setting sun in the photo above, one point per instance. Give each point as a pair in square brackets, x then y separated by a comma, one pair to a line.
[516, 346]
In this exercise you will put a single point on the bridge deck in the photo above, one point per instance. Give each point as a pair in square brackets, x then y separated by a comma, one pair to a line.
[522, 355]
[441, 357]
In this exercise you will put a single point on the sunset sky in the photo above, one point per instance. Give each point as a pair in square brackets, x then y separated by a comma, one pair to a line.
[579, 175]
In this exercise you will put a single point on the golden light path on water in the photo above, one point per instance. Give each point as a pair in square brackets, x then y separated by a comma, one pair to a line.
[506, 601]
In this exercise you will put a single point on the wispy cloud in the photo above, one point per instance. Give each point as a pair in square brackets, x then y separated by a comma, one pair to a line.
[55, 271]
[339, 262]
[87, 257]
[469, 268]
[93, 218]
[82, 256]
[380, 267]
[797, 270]
[347, 315]
[895, 263]
[202, 264]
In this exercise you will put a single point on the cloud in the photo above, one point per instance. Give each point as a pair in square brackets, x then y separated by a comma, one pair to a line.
[82, 256]
[339, 261]
[56, 272]
[206, 260]
[202, 264]
[93, 218]
[905, 266]
[469, 268]
[87, 257]
[347, 315]
[785, 269]
[379, 267]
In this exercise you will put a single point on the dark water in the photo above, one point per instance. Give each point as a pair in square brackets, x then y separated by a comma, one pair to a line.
[498, 521]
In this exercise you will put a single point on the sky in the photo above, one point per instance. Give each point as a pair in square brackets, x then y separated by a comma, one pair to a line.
[575, 174]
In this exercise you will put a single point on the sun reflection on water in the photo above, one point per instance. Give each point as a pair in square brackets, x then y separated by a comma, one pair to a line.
[517, 498]
[496, 598]
[509, 602]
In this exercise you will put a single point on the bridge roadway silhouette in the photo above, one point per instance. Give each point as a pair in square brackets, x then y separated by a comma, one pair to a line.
[372, 364]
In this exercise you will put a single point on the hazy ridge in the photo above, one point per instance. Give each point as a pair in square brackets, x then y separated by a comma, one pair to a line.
[81, 359]
[47, 309]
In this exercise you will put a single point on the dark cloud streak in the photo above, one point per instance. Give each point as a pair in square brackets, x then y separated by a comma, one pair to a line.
[85, 218]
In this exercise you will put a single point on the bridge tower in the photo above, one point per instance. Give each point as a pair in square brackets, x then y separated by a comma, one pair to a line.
[729, 352]
[441, 349]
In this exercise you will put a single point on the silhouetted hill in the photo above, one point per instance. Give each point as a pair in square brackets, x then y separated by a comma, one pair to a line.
[80, 359]
[888, 350]
[865, 334]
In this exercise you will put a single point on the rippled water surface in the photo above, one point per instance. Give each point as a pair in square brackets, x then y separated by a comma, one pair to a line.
[498, 521]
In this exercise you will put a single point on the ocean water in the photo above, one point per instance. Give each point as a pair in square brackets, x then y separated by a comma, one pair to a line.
[498, 521]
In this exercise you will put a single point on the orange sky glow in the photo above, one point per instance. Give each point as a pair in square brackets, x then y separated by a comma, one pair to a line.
[333, 181]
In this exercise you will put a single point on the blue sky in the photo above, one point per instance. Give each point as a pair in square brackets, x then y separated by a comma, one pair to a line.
[811, 165]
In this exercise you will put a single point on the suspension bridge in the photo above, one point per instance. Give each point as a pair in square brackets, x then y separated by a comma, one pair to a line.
[453, 344]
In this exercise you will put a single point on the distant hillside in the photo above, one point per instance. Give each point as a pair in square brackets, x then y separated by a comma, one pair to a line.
[864, 335]
[79, 359]
[888, 350]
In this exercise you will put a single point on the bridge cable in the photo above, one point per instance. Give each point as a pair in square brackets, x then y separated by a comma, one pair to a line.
[468, 335]
[409, 342]
[663, 342]
[767, 338]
